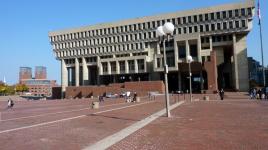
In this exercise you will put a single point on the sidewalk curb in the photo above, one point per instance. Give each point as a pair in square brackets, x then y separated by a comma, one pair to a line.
[112, 139]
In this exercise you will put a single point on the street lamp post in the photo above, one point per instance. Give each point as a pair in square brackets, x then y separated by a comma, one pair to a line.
[189, 60]
[161, 32]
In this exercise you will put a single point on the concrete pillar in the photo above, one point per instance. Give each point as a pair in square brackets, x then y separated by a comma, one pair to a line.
[126, 66]
[117, 67]
[199, 49]
[76, 72]
[176, 53]
[158, 48]
[109, 67]
[64, 78]
[85, 72]
[241, 62]
[235, 64]
[210, 43]
[187, 48]
[136, 65]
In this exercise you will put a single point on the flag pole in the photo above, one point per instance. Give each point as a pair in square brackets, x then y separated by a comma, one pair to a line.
[263, 71]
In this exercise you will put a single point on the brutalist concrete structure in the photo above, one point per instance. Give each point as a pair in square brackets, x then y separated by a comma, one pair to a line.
[129, 50]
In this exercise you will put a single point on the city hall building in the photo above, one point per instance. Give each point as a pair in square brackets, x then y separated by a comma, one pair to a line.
[129, 50]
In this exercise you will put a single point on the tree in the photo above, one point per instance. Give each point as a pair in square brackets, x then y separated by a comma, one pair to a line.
[21, 88]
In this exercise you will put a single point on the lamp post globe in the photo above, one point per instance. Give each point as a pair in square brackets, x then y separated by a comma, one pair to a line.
[189, 58]
[168, 28]
[159, 31]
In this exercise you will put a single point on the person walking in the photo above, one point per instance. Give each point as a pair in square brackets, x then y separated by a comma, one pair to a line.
[222, 93]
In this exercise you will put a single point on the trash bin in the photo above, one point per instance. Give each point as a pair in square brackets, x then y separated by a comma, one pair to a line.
[95, 105]
[206, 98]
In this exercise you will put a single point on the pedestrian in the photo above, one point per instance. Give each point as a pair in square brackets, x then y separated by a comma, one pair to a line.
[10, 103]
[134, 97]
[101, 99]
[254, 93]
[222, 93]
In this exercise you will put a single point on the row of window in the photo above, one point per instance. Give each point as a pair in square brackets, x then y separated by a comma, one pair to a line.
[154, 24]
[98, 50]
[131, 66]
[132, 37]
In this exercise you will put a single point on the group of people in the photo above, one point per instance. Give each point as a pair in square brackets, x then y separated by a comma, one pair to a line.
[258, 93]
[128, 97]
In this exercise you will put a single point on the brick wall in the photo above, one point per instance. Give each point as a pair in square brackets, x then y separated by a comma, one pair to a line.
[142, 88]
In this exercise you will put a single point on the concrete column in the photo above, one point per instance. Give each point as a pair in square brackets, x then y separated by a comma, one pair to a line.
[187, 48]
[158, 48]
[199, 49]
[64, 78]
[210, 43]
[235, 64]
[126, 66]
[76, 72]
[136, 66]
[117, 67]
[109, 67]
[176, 53]
[241, 62]
[85, 72]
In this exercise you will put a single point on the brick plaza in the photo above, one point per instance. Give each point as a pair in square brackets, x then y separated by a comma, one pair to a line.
[235, 123]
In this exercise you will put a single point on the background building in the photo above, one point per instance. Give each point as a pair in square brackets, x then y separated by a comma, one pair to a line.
[38, 86]
[255, 71]
[129, 50]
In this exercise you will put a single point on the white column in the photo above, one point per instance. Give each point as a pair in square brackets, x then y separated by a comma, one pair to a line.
[210, 43]
[199, 49]
[64, 78]
[109, 67]
[76, 72]
[126, 66]
[187, 48]
[85, 72]
[235, 64]
[117, 67]
[136, 65]
[158, 48]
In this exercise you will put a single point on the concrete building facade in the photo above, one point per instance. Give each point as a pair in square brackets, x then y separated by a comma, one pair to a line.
[129, 50]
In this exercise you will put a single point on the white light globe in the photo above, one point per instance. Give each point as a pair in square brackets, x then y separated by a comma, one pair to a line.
[189, 58]
[168, 28]
[159, 31]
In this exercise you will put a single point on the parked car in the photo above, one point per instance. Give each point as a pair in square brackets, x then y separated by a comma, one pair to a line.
[111, 95]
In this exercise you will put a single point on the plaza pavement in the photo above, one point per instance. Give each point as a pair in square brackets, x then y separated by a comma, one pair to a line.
[235, 123]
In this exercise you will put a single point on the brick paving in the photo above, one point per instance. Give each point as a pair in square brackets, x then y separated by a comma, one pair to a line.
[235, 123]
[206, 125]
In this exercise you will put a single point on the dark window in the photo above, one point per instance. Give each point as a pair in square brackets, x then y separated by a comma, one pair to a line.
[190, 29]
[173, 21]
[243, 23]
[184, 20]
[144, 26]
[200, 17]
[231, 25]
[184, 30]
[224, 14]
[236, 12]
[218, 26]
[230, 13]
[195, 18]
[158, 23]
[218, 15]
[195, 29]
[182, 51]
[206, 17]
[243, 12]
[149, 25]
[179, 30]
[212, 27]
[207, 27]
[212, 16]
[224, 25]
[249, 12]
[163, 22]
[224, 38]
[218, 38]
[189, 19]
[207, 39]
[179, 20]
[193, 50]
[201, 28]
[237, 24]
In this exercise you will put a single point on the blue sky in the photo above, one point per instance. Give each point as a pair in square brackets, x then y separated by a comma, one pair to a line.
[25, 25]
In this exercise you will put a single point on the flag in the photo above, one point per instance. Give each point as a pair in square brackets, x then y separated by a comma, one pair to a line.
[259, 12]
